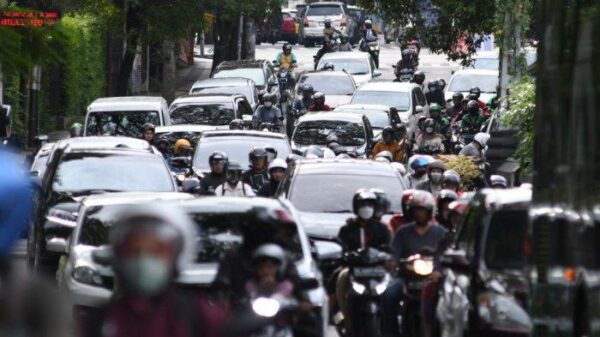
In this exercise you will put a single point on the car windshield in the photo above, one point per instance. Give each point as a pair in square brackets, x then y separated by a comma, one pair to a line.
[120, 123]
[486, 63]
[316, 132]
[172, 137]
[240, 90]
[332, 10]
[204, 114]
[464, 83]
[111, 172]
[504, 248]
[351, 66]
[379, 119]
[329, 85]
[399, 100]
[236, 148]
[254, 74]
[220, 232]
[337, 197]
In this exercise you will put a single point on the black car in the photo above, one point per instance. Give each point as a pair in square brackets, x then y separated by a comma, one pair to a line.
[79, 167]
[485, 289]
[260, 71]
[322, 190]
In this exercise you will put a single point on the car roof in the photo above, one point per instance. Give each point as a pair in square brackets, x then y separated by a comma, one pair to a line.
[242, 133]
[325, 3]
[358, 107]
[325, 73]
[346, 55]
[388, 86]
[345, 167]
[184, 128]
[471, 71]
[125, 198]
[104, 143]
[241, 64]
[229, 204]
[328, 116]
[222, 82]
[127, 103]
[498, 198]
[206, 98]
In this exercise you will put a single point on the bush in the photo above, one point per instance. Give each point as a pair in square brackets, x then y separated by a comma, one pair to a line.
[466, 167]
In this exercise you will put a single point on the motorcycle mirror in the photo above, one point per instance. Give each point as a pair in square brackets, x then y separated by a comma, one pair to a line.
[418, 109]
[272, 81]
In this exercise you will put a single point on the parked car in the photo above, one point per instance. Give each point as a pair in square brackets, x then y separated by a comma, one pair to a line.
[314, 18]
[380, 116]
[358, 64]
[125, 116]
[463, 80]
[87, 283]
[79, 167]
[407, 98]
[260, 71]
[216, 110]
[337, 86]
[239, 86]
[220, 220]
[237, 146]
[486, 284]
[353, 132]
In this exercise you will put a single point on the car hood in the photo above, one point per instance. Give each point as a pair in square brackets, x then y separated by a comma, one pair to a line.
[324, 224]
[361, 79]
[336, 100]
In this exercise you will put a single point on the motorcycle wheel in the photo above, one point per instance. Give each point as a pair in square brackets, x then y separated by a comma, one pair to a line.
[376, 60]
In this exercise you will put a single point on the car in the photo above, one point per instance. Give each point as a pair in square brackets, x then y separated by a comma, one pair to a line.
[485, 60]
[322, 190]
[40, 161]
[217, 110]
[219, 221]
[240, 86]
[380, 116]
[172, 133]
[407, 98]
[79, 167]
[89, 284]
[260, 71]
[352, 131]
[337, 86]
[237, 145]
[314, 18]
[463, 80]
[486, 281]
[125, 116]
[358, 64]
[287, 30]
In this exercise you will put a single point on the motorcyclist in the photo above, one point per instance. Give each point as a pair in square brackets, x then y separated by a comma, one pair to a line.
[474, 94]
[389, 143]
[498, 181]
[344, 44]
[429, 140]
[443, 208]
[269, 262]
[76, 130]
[258, 174]
[452, 182]
[441, 124]
[456, 213]
[183, 148]
[473, 120]
[418, 78]
[277, 170]
[306, 101]
[163, 146]
[328, 30]
[319, 103]
[418, 165]
[457, 106]
[368, 33]
[475, 148]
[406, 62]
[435, 173]
[442, 84]
[405, 217]
[268, 112]
[236, 124]
[148, 130]
[217, 176]
[326, 48]
[233, 185]
[286, 59]
[434, 94]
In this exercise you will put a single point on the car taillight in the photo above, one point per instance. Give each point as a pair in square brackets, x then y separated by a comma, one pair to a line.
[305, 22]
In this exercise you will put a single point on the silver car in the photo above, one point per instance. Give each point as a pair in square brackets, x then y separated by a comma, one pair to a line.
[314, 21]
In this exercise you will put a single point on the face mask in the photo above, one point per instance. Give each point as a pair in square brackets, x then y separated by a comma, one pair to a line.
[268, 104]
[432, 89]
[435, 177]
[429, 130]
[146, 275]
[365, 212]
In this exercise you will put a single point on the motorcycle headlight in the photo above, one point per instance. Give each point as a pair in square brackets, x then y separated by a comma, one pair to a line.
[61, 217]
[266, 307]
[87, 275]
[423, 267]
[383, 285]
[358, 288]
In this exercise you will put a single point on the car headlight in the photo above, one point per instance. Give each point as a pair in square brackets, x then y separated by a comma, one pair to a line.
[503, 312]
[358, 288]
[87, 275]
[61, 217]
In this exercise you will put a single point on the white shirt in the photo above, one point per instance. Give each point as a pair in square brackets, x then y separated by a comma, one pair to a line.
[240, 190]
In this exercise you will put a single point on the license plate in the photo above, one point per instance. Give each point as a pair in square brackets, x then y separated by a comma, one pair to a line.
[369, 272]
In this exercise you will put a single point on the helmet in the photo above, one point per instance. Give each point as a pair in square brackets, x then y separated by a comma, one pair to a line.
[343, 156]
[399, 168]
[278, 164]
[482, 138]
[419, 162]
[269, 97]
[473, 106]
[383, 203]
[363, 196]
[257, 152]
[319, 96]
[456, 97]
[423, 199]
[458, 206]
[343, 39]
[148, 127]
[163, 140]
[435, 107]
[236, 124]
[418, 77]
[217, 156]
[234, 172]
[328, 66]
[476, 91]
[75, 130]
[406, 201]
[429, 125]
[182, 144]
[387, 155]
[441, 83]
[452, 177]
[447, 195]
[405, 53]
[273, 252]
[498, 181]
[388, 131]
[313, 151]
[327, 22]
[368, 23]
[433, 84]
[436, 165]
[308, 88]
[287, 47]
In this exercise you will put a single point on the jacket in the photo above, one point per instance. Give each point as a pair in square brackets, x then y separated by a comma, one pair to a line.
[256, 180]
[268, 190]
[210, 182]
[398, 149]
[240, 190]
[325, 107]
[472, 122]
[303, 104]
[376, 235]
[268, 115]
[471, 150]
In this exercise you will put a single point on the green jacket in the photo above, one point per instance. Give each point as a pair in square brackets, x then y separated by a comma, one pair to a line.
[473, 122]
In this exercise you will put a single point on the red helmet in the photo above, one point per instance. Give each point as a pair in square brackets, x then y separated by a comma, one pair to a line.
[458, 206]
[423, 199]
[406, 200]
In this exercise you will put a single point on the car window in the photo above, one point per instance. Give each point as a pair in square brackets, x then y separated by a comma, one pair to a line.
[351, 66]
[316, 133]
[241, 90]
[244, 108]
[486, 63]
[330, 10]
[505, 239]
[464, 82]
[204, 114]
[379, 119]
[329, 85]
[420, 97]
[254, 74]
[120, 123]
[398, 100]
[468, 232]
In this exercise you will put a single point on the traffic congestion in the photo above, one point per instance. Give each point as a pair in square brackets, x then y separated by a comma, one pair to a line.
[282, 196]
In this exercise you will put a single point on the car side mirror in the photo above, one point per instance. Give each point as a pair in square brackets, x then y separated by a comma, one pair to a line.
[181, 162]
[376, 73]
[190, 185]
[327, 250]
[455, 259]
[418, 109]
[57, 245]
[103, 256]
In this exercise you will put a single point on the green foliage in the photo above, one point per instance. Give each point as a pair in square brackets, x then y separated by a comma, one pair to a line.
[521, 109]
[465, 166]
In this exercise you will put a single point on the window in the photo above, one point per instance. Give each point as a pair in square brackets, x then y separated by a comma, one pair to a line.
[468, 231]
[332, 10]
[505, 240]
[244, 108]
[120, 123]
[316, 133]
[203, 114]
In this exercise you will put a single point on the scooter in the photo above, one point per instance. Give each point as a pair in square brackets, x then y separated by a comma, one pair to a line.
[405, 74]
[372, 48]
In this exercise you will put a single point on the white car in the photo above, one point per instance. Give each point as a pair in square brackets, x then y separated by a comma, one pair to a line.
[407, 98]
[358, 64]
[337, 86]
[485, 60]
[463, 80]
[230, 85]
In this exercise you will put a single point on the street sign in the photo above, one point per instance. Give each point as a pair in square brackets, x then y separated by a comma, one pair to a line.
[22, 18]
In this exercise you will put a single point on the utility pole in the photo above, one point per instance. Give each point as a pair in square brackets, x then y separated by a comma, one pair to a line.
[240, 37]
[34, 89]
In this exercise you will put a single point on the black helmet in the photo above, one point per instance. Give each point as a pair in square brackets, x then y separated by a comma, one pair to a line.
[217, 156]
[387, 155]
[429, 124]
[308, 88]
[405, 53]
[327, 22]
[234, 172]
[319, 96]
[452, 177]
[441, 83]
[287, 47]
[433, 84]
[383, 203]
[236, 124]
[257, 152]
[457, 97]
[473, 107]
[269, 97]
[343, 39]
[148, 126]
[418, 77]
[476, 91]
[436, 165]
[388, 131]
[447, 196]
[363, 196]
[328, 66]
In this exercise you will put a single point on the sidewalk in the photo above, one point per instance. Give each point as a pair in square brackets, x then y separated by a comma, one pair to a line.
[185, 77]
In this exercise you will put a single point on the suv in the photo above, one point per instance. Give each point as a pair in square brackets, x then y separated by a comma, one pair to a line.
[314, 18]
[79, 167]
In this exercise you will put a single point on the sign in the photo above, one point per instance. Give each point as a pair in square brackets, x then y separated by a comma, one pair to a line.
[22, 18]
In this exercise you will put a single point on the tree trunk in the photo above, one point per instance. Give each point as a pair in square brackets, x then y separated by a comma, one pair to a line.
[168, 71]
[249, 49]
[225, 40]
[34, 89]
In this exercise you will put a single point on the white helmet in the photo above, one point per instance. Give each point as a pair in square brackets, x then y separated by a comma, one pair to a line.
[368, 22]
[278, 163]
[482, 138]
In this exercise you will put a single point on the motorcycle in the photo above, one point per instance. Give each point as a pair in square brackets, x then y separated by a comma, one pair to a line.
[369, 279]
[462, 137]
[372, 48]
[405, 74]
[416, 270]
